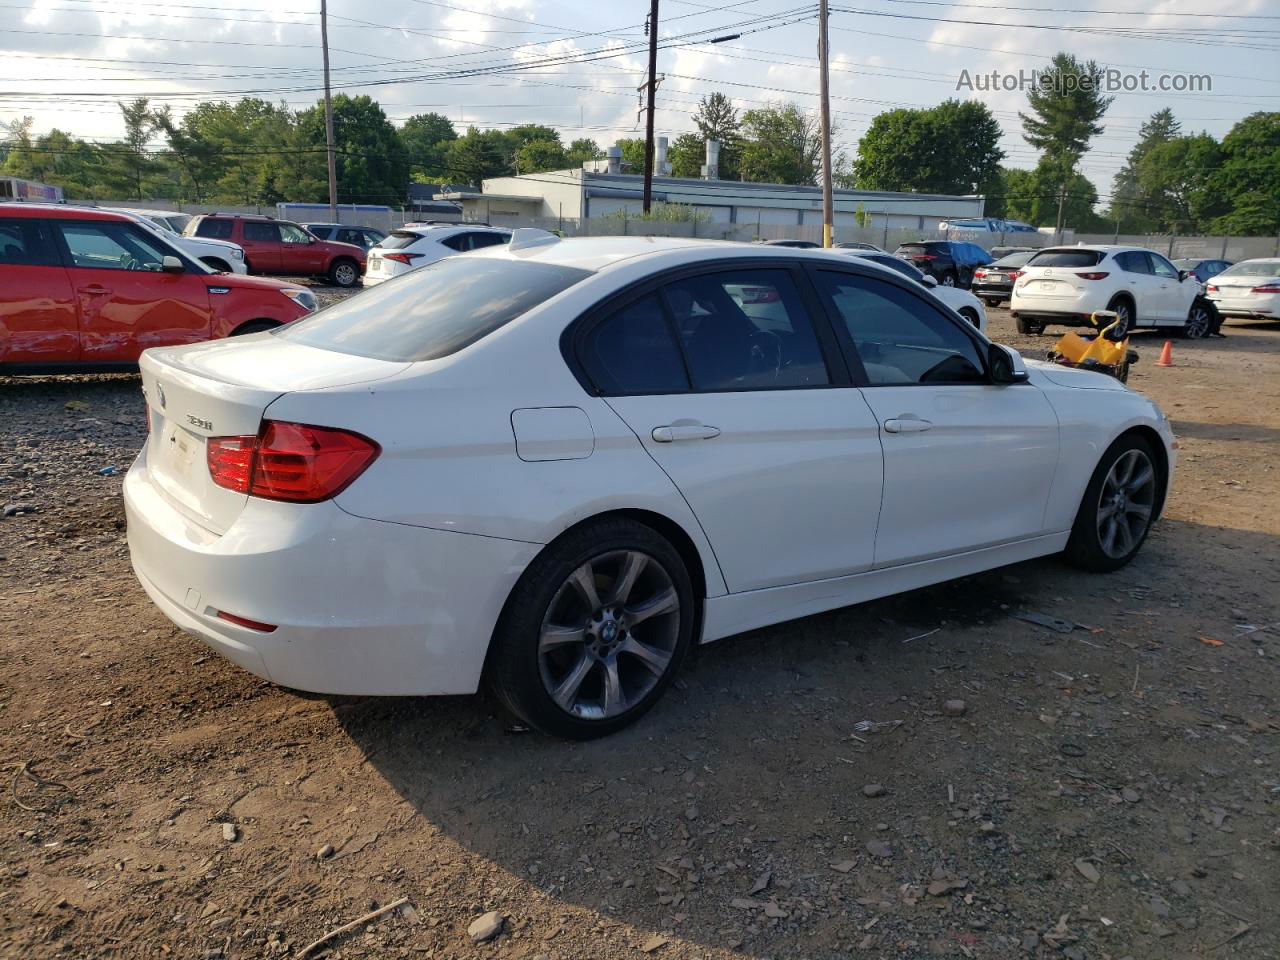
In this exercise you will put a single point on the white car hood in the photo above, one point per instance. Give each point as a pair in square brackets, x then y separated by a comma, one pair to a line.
[1071, 376]
[206, 241]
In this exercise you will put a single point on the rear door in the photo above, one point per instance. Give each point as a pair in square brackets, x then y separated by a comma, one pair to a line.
[967, 463]
[38, 318]
[733, 384]
[126, 302]
[261, 242]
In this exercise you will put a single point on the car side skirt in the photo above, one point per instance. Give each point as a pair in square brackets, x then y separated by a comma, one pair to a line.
[739, 612]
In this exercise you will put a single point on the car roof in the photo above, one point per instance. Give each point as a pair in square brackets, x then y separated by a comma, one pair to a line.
[58, 211]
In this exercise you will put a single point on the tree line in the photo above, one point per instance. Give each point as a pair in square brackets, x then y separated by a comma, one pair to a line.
[252, 151]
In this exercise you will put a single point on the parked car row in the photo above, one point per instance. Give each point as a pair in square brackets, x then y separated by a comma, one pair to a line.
[279, 246]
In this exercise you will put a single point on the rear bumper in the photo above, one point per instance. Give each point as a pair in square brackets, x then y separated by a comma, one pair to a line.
[1052, 316]
[361, 607]
[1260, 308]
[981, 289]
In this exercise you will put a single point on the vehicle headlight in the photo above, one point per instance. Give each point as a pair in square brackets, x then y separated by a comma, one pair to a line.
[303, 298]
[237, 254]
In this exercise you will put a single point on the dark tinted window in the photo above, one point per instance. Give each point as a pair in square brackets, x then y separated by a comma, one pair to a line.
[1132, 262]
[1014, 260]
[347, 235]
[917, 249]
[257, 232]
[898, 265]
[899, 337]
[479, 240]
[26, 242]
[1066, 258]
[459, 241]
[633, 352]
[322, 232]
[214, 229]
[745, 330]
[434, 311]
[399, 240]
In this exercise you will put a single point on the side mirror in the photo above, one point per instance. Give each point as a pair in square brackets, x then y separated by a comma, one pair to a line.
[172, 265]
[1005, 365]
[930, 282]
[1183, 274]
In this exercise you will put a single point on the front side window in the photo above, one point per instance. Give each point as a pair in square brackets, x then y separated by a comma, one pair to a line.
[433, 311]
[292, 233]
[112, 246]
[1162, 267]
[746, 330]
[26, 242]
[214, 229]
[900, 338]
[633, 351]
[257, 232]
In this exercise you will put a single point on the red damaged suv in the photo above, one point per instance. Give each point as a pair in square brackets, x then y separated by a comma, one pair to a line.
[83, 289]
[279, 246]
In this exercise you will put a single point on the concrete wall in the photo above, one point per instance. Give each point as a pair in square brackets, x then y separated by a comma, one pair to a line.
[560, 191]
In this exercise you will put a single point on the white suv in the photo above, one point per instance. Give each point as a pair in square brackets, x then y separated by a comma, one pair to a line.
[1064, 285]
[221, 256]
[414, 246]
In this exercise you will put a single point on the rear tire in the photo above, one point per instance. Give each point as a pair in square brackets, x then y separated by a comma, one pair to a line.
[344, 272]
[1032, 328]
[1119, 505]
[992, 301]
[594, 631]
[1126, 316]
[948, 279]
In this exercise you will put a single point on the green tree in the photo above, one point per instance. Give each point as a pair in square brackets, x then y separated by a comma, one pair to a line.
[1178, 180]
[632, 154]
[132, 168]
[951, 148]
[425, 139]
[1128, 203]
[19, 160]
[477, 155]
[1032, 196]
[371, 166]
[716, 119]
[687, 154]
[1249, 178]
[535, 156]
[780, 144]
[1066, 105]
[582, 150]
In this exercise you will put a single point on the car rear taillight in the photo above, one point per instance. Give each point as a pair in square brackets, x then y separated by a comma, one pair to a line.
[406, 258]
[759, 295]
[922, 256]
[1269, 288]
[290, 461]
[1093, 276]
[979, 274]
[246, 622]
[1211, 288]
[1014, 274]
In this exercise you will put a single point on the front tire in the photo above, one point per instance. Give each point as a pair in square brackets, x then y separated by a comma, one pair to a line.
[992, 301]
[344, 273]
[1199, 320]
[948, 279]
[594, 631]
[1118, 507]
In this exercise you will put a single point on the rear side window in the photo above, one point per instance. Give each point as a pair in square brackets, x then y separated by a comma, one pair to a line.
[1132, 262]
[479, 240]
[1066, 258]
[214, 229]
[459, 241]
[26, 242]
[434, 311]
[634, 352]
[261, 232]
[399, 240]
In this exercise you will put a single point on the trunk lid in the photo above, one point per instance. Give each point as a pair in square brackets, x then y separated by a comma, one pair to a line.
[221, 389]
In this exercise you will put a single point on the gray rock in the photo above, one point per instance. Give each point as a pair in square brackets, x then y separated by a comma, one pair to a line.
[13, 509]
[1130, 795]
[878, 848]
[874, 790]
[486, 927]
[230, 833]
[955, 708]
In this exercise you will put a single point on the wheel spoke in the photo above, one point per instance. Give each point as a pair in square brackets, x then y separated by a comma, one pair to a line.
[633, 565]
[1106, 510]
[1124, 535]
[1124, 468]
[665, 602]
[653, 658]
[557, 635]
[567, 691]
[584, 581]
[1140, 510]
[1141, 480]
[1109, 535]
[615, 699]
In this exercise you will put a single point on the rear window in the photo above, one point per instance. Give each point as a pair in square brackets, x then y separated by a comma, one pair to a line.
[434, 311]
[915, 248]
[1066, 258]
[214, 229]
[1014, 260]
[1253, 268]
[399, 239]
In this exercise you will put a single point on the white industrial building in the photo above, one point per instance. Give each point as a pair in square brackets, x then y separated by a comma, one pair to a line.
[600, 189]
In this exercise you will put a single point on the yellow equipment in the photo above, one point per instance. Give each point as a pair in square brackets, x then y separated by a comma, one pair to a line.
[1106, 351]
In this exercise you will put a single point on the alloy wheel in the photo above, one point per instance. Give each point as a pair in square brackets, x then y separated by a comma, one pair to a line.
[1197, 323]
[1124, 319]
[344, 274]
[948, 280]
[1125, 503]
[609, 634]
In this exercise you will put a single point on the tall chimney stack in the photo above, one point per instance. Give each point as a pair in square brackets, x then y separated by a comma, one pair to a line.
[711, 169]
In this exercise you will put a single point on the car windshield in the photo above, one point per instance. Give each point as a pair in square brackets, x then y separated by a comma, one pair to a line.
[399, 239]
[435, 310]
[912, 248]
[1065, 258]
[1014, 260]
[1253, 268]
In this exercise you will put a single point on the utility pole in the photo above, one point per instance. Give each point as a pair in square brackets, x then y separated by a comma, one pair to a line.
[828, 211]
[1062, 199]
[328, 115]
[648, 123]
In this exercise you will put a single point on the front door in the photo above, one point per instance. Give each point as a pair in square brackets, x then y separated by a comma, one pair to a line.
[967, 463]
[1173, 295]
[125, 300]
[723, 379]
[300, 252]
[38, 319]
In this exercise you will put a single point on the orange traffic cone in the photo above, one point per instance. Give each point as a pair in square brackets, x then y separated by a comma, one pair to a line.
[1166, 355]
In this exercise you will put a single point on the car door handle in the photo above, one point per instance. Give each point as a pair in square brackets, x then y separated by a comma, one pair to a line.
[94, 289]
[906, 423]
[684, 431]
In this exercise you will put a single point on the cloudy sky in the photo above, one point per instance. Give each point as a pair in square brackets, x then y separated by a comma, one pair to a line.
[578, 63]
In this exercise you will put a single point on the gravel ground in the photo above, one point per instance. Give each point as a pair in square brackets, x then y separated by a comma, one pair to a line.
[805, 791]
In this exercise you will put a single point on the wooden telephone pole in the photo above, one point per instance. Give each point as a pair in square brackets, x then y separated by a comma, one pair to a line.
[328, 115]
[828, 207]
[648, 123]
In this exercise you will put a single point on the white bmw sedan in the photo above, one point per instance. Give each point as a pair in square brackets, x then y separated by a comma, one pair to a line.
[557, 465]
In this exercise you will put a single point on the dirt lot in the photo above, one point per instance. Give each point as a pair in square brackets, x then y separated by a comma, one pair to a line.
[1109, 792]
